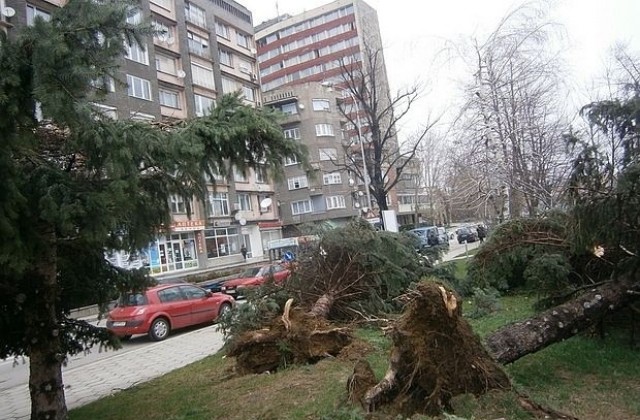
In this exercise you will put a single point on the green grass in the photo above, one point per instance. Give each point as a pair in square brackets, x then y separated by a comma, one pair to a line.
[584, 376]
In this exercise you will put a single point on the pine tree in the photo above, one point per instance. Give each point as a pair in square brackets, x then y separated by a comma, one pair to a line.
[74, 184]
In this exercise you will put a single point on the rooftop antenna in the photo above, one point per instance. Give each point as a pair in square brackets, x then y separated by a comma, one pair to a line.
[277, 10]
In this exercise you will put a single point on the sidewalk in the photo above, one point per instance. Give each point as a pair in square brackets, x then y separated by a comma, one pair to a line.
[119, 371]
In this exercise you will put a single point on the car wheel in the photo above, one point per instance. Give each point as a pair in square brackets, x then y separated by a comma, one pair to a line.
[125, 337]
[224, 308]
[159, 329]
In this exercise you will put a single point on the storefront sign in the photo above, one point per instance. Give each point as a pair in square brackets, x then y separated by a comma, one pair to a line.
[187, 225]
[270, 225]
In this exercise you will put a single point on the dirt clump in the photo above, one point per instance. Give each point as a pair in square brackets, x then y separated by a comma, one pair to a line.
[435, 356]
[295, 338]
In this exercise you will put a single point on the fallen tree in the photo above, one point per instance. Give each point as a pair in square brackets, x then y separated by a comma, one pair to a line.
[516, 340]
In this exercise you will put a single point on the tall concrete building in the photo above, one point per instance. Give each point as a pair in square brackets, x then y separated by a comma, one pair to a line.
[303, 62]
[205, 48]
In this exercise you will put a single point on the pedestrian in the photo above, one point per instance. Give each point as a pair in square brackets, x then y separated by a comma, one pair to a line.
[482, 233]
[243, 250]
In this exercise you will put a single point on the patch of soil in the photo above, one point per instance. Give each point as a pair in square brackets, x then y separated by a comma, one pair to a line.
[295, 338]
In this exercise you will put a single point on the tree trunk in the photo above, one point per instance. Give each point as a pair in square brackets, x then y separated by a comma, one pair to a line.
[322, 306]
[45, 353]
[516, 340]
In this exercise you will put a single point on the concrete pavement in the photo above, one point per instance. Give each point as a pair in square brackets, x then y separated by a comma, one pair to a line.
[120, 370]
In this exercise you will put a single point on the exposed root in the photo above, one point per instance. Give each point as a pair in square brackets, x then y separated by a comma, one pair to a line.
[539, 411]
[285, 314]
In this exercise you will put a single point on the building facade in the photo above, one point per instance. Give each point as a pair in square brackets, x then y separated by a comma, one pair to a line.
[203, 49]
[303, 59]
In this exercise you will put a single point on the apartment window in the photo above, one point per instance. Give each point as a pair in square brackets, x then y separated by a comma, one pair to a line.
[229, 85]
[166, 64]
[292, 133]
[33, 13]
[301, 207]
[164, 33]
[222, 30]
[248, 93]
[226, 58]
[324, 130]
[169, 98]
[329, 153]
[239, 175]
[177, 204]
[298, 182]
[335, 202]
[332, 178]
[195, 15]
[136, 52]
[141, 116]
[197, 44]
[242, 40]
[244, 202]
[138, 87]
[290, 160]
[204, 105]
[105, 111]
[202, 75]
[261, 175]
[105, 83]
[218, 204]
[289, 109]
[134, 17]
[320, 104]
[245, 67]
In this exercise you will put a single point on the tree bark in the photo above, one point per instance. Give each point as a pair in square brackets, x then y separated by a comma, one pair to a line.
[516, 340]
[45, 352]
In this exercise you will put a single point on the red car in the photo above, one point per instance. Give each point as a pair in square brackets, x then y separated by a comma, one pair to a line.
[160, 309]
[255, 276]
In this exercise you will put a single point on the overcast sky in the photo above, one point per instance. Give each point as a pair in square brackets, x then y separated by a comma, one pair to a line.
[414, 33]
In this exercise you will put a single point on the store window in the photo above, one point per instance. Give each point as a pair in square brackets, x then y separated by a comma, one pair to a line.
[222, 242]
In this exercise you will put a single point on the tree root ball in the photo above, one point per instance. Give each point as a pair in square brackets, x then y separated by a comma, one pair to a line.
[296, 338]
[435, 356]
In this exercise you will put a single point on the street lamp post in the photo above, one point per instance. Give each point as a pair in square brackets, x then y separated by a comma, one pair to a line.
[360, 139]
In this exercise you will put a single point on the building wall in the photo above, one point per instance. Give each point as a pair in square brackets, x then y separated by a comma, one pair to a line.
[196, 32]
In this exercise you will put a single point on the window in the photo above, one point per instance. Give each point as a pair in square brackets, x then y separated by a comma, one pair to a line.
[301, 207]
[204, 105]
[134, 17]
[332, 178]
[171, 294]
[222, 30]
[222, 241]
[292, 133]
[218, 204]
[289, 109]
[138, 87]
[33, 13]
[202, 75]
[239, 175]
[298, 182]
[248, 93]
[177, 204]
[105, 111]
[166, 64]
[335, 202]
[320, 104]
[324, 130]
[105, 83]
[197, 44]
[245, 67]
[192, 293]
[229, 85]
[169, 98]
[195, 15]
[164, 33]
[290, 160]
[244, 202]
[242, 40]
[136, 52]
[226, 58]
[329, 153]
[261, 175]
[140, 116]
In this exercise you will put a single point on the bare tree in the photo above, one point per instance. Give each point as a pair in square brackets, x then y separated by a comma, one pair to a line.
[514, 117]
[374, 116]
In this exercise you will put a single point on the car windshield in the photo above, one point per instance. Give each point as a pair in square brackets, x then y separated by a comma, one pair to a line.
[250, 272]
[133, 299]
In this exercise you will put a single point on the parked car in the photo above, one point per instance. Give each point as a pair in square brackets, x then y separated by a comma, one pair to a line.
[255, 276]
[428, 236]
[161, 309]
[467, 234]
